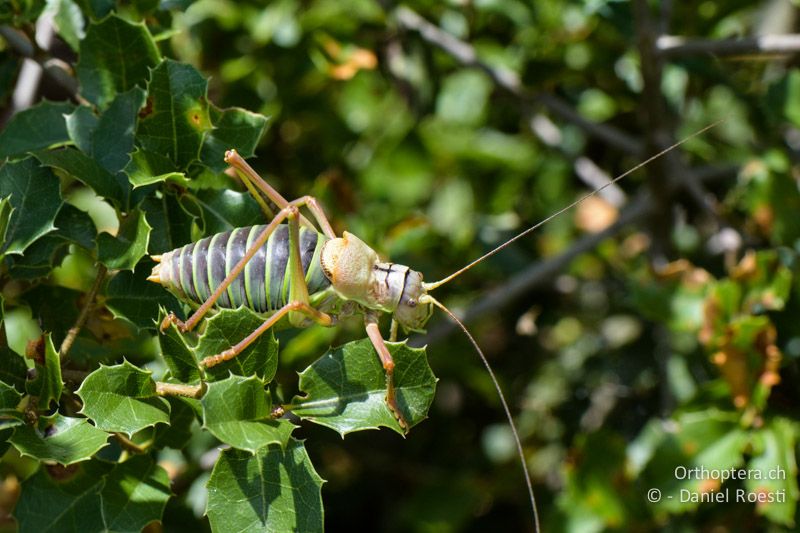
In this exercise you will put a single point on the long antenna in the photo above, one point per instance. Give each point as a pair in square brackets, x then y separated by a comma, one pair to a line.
[431, 286]
[513, 426]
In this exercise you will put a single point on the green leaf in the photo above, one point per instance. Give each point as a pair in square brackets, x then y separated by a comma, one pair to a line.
[182, 415]
[73, 226]
[172, 224]
[177, 354]
[112, 141]
[86, 170]
[233, 128]
[70, 495]
[47, 385]
[124, 251]
[237, 411]
[81, 125]
[35, 128]
[59, 438]
[122, 398]
[94, 496]
[115, 56]
[68, 21]
[227, 209]
[134, 299]
[146, 168]
[175, 120]
[346, 388]
[9, 396]
[273, 490]
[775, 463]
[226, 328]
[134, 494]
[5, 219]
[36, 199]
[12, 367]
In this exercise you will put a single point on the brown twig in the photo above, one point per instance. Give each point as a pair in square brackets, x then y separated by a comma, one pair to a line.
[672, 46]
[66, 345]
[128, 444]
[176, 389]
[508, 80]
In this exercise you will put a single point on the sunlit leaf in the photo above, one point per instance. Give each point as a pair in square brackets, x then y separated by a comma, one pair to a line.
[281, 492]
[237, 411]
[176, 104]
[134, 494]
[62, 439]
[115, 56]
[122, 398]
[225, 329]
[134, 299]
[345, 389]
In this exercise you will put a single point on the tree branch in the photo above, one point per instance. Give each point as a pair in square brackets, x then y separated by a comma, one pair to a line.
[508, 80]
[538, 274]
[671, 46]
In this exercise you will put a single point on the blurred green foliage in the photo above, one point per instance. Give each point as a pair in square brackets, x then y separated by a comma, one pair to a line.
[671, 344]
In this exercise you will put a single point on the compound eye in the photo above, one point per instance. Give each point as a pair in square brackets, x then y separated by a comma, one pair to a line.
[411, 302]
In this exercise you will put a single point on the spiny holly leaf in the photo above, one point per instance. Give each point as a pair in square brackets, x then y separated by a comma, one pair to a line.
[81, 124]
[225, 329]
[135, 494]
[70, 495]
[38, 127]
[112, 140]
[177, 354]
[13, 367]
[774, 451]
[10, 417]
[86, 170]
[73, 226]
[274, 490]
[115, 56]
[36, 198]
[233, 128]
[346, 388]
[124, 251]
[172, 224]
[146, 168]
[122, 398]
[237, 411]
[225, 210]
[47, 384]
[175, 118]
[59, 438]
[134, 299]
[94, 496]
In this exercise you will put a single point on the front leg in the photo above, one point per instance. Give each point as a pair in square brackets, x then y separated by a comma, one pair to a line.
[374, 334]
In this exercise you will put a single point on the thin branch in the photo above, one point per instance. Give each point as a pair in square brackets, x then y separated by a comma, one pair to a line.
[508, 80]
[128, 444]
[177, 389]
[671, 46]
[66, 345]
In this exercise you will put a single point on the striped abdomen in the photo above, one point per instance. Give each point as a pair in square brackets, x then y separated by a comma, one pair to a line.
[195, 270]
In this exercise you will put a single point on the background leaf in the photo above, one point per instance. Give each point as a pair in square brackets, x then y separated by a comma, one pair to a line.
[41, 126]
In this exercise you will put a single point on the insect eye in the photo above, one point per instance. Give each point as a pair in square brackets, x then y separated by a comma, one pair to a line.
[411, 302]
